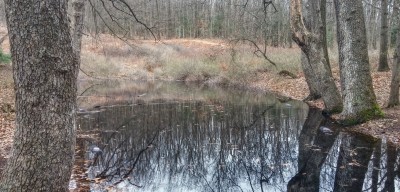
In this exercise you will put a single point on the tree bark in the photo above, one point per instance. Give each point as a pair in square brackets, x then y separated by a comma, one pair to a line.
[323, 33]
[374, 24]
[395, 82]
[394, 23]
[78, 7]
[383, 49]
[355, 77]
[45, 72]
[308, 36]
[308, 73]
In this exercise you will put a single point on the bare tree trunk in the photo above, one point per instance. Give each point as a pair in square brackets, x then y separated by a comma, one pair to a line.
[383, 49]
[395, 83]
[394, 23]
[308, 73]
[78, 7]
[323, 32]
[355, 77]
[170, 28]
[309, 40]
[45, 72]
[373, 22]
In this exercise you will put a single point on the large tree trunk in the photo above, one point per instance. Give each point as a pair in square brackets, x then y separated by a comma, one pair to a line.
[309, 17]
[45, 72]
[308, 36]
[355, 76]
[308, 73]
[394, 86]
[383, 49]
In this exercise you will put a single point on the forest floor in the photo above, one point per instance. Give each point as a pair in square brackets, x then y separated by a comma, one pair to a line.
[207, 61]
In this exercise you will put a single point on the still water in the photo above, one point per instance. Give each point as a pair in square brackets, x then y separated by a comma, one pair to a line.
[173, 137]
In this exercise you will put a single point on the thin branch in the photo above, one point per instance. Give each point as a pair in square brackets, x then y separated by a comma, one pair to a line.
[137, 20]
[263, 52]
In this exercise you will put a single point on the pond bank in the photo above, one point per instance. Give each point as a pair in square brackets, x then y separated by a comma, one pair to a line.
[263, 79]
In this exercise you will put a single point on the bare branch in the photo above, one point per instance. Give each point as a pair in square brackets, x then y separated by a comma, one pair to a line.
[299, 31]
[137, 20]
[263, 52]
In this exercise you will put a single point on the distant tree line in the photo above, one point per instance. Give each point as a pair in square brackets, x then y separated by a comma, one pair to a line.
[262, 20]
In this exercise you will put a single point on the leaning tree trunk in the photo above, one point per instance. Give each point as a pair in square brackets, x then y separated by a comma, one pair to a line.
[308, 37]
[311, 82]
[394, 85]
[309, 16]
[383, 49]
[355, 76]
[45, 72]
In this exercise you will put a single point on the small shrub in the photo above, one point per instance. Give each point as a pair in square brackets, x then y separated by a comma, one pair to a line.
[4, 58]
[98, 65]
[190, 69]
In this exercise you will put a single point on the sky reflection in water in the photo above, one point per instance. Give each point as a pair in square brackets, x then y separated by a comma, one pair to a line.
[173, 137]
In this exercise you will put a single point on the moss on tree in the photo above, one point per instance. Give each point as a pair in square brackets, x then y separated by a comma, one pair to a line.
[363, 116]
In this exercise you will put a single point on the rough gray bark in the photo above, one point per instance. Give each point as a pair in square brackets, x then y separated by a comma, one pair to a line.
[45, 72]
[308, 36]
[310, 22]
[312, 86]
[355, 77]
[383, 49]
[395, 82]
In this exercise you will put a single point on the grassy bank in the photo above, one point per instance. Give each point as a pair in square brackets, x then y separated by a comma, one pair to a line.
[187, 59]
[183, 60]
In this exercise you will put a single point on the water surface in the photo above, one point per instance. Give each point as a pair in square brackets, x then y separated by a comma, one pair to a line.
[173, 137]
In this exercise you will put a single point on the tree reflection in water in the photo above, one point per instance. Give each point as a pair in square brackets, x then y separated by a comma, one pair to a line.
[241, 143]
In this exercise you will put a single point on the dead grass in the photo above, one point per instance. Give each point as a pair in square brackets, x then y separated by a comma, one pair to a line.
[181, 59]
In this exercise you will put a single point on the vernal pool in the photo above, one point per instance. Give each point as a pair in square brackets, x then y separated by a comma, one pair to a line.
[162, 136]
